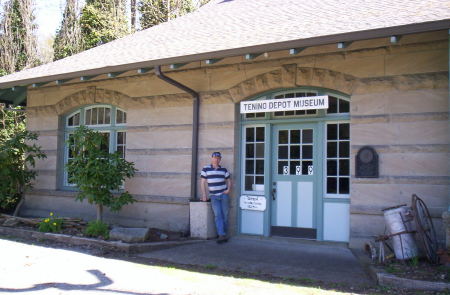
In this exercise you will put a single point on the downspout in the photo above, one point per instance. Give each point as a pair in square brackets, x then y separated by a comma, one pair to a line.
[195, 119]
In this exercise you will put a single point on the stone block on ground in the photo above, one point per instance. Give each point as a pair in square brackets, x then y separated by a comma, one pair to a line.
[202, 220]
[129, 234]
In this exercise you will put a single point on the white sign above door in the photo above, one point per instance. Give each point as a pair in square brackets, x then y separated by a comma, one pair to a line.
[285, 104]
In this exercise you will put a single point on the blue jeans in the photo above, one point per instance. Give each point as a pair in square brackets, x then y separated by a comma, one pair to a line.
[220, 206]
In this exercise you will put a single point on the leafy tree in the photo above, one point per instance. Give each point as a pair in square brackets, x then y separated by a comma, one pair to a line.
[17, 155]
[18, 45]
[154, 12]
[97, 173]
[68, 37]
[103, 21]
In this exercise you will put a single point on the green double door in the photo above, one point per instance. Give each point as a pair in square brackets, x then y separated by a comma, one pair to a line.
[296, 180]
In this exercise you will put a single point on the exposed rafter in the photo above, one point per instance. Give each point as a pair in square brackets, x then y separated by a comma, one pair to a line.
[342, 45]
[294, 51]
[176, 66]
[144, 70]
[395, 39]
[212, 61]
[250, 56]
[60, 82]
[87, 78]
[36, 85]
[115, 74]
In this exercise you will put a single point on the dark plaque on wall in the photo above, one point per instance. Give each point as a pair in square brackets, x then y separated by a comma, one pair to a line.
[367, 163]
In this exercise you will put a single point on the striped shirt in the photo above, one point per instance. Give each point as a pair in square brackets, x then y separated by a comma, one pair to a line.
[215, 178]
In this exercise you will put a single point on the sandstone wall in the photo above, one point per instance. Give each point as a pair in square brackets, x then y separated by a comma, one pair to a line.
[399, 105]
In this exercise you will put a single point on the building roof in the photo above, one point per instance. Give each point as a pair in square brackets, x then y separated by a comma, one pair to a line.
[234, 27]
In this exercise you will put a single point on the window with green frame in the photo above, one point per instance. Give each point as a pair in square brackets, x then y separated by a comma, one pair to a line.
[106, 119]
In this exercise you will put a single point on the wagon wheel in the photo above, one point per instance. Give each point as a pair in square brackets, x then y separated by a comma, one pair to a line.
[425, 229]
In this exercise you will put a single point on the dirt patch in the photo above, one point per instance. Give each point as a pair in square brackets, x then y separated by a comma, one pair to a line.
[418, 270]
[77, 227]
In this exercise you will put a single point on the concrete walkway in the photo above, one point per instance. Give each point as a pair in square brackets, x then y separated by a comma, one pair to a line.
[278, 257]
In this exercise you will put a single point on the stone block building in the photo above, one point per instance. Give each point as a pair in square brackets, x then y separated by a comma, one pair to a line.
[169, 96]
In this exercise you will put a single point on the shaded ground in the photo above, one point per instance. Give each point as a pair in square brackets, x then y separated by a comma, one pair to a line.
[183, 278]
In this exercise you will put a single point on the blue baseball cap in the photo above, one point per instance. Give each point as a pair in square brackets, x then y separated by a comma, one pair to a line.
[216, 154]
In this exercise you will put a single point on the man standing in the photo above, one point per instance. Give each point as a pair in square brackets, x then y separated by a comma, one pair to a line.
[216, 180]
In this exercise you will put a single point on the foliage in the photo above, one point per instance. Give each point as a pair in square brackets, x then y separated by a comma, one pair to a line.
[18, 45]
[68, 37]
[51, 224]
[97, 229]
[103, 21]
[17, 155]
[154, 12]
[96, 172]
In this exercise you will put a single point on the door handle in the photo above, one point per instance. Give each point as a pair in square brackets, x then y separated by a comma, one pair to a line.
[273, 193]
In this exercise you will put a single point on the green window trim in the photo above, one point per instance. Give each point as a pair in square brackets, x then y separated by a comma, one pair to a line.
[108, 119]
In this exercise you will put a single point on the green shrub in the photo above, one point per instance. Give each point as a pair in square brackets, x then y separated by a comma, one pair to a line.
[99, 175]
[18, 154]
[51, 224]
[97, 229]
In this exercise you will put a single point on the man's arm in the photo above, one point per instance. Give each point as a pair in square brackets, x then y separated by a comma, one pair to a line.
[203, 188]
[228, 186]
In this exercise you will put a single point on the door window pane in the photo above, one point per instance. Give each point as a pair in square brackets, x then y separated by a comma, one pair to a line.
[344, 185]
[283, 152]
[281, 165]
[331, 167]
[259, 167]
[249, 167]
[344, 149]
[307, 136]
[283, 136]
[260, 134]
[331, 185]
[338, 158]
[306, 165]
[344, 131]
[254, 157]
[293, 167]
[250, 150]
[295, 136]
[331, 149]
[250, 134]
[259, 150]
[344, 167]
[307, 152]
[295, 152]
[332, 132]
